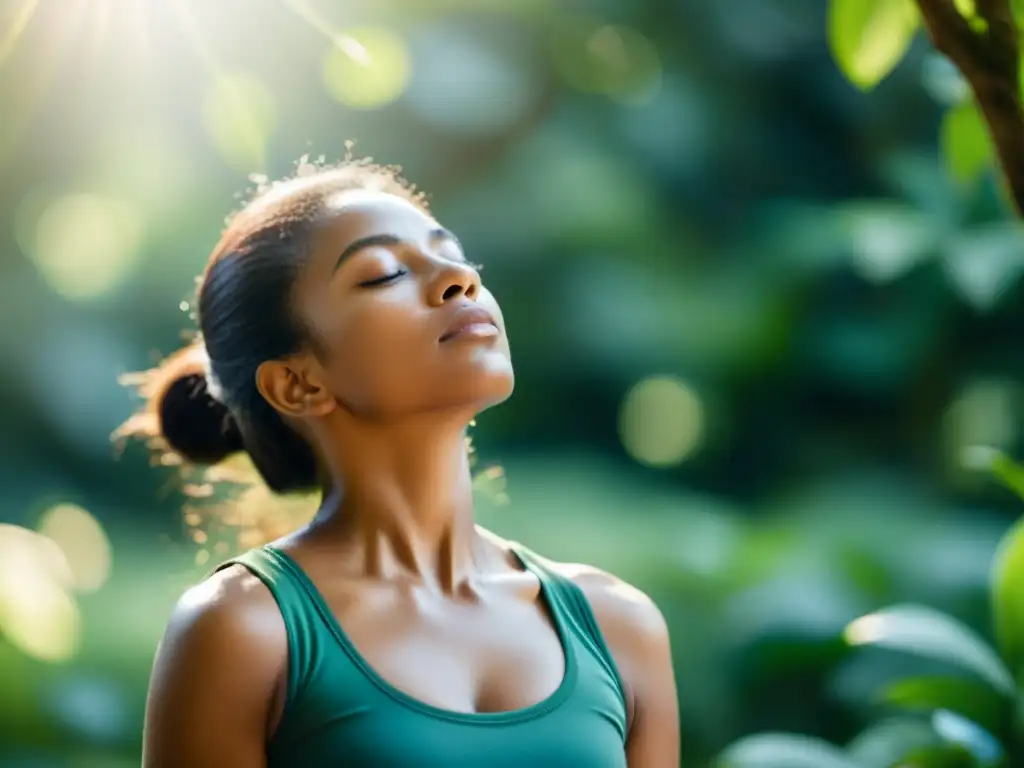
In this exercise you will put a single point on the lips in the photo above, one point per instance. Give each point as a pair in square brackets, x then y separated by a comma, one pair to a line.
[471, 322]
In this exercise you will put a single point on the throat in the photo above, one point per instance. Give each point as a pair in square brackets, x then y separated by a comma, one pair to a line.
[403, 508]
[397, 546]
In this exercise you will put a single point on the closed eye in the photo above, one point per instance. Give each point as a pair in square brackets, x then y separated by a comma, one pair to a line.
[382, 280]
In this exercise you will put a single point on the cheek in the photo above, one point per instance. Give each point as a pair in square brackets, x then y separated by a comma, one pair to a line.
[487, 300]
[375, 353]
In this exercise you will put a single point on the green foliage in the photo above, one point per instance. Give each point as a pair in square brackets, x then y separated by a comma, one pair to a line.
[870, 37]
[698, 234]
[772, 750]
[973, 718]
[965, 142]
[902, 742]
[1008, 599]
[901, 739]
[923, 631]
[969, 10]
[974, 700]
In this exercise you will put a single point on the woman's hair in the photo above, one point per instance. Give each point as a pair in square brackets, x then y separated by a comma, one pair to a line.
[201, 403]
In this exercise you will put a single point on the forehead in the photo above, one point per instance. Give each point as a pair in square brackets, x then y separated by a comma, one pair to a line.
[352, 215]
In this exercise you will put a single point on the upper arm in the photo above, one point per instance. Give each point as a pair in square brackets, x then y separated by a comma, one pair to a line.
[215, 676]
[637, 636]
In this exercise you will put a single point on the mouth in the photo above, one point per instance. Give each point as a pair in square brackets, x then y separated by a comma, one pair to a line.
[471, 323]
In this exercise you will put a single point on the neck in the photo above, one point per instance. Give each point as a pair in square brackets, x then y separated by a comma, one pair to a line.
[402, 499]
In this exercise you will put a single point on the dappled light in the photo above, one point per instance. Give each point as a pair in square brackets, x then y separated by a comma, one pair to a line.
[981, 417]
[599, 57]
[661, 421]
[38, 614]
[83, 542]
[84, 245]
[760, 263]
[367, 68]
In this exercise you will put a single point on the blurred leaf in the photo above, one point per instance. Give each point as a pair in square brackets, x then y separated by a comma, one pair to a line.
[969, 698]
[969, 10]
[1018, 11]
[1008, 597]
[869, 37]
[783, 750]
[943, 81]
[1009, 472]
[888, 742]
[983, 264]
[933, 634]
[946, 756]
[886, 239]
[965, 142]
[967, 734]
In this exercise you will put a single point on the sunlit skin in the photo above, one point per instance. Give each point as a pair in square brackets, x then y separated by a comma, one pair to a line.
[414, 347]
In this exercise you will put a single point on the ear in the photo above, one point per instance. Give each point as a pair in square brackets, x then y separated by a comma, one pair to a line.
[294, 388]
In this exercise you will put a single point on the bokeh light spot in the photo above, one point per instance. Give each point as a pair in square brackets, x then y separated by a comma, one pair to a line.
[614, 60]
[83, 541]
[83, 245]
[240, 116]
[984, 413]
[661, 421]
[37, 614]
[368, 68]
[145, 162]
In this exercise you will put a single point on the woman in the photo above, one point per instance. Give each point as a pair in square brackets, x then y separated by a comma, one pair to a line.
[346, 343]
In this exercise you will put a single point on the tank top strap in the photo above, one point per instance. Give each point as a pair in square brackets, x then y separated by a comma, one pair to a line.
[291, 593]
[575, 609]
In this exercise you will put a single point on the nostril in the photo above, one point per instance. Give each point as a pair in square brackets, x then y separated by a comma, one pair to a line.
[453, 291]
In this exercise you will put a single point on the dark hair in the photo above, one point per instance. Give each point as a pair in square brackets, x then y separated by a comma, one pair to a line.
[245, 317]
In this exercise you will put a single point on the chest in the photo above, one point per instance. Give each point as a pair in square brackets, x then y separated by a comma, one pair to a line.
[569, 736]
[495, 654]
[385, 677]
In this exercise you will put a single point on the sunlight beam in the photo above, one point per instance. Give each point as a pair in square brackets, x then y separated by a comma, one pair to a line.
[314, 19]
[191, 30]
[21, 21]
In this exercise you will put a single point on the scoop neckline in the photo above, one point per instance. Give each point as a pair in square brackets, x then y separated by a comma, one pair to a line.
[542, 707]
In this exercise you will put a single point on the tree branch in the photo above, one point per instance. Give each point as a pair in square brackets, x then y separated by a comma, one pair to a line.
[988, 60]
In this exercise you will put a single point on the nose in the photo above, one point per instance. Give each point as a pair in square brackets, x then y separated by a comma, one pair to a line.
[453, 281]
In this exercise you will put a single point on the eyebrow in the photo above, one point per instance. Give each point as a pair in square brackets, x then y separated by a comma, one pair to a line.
[374, 241]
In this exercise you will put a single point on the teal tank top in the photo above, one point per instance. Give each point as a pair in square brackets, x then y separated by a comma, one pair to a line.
[339, 712]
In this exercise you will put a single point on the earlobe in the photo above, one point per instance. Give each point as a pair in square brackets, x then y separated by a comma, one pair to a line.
[318, 401]
[291, 391]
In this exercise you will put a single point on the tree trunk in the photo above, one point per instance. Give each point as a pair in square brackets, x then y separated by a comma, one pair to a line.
[988, 55]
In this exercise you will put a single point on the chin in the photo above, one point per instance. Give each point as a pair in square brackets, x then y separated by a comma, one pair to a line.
[486, 385]
[494, 387]
[499, 395]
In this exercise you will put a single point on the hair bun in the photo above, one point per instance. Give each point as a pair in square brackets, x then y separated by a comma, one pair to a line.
[193, 423]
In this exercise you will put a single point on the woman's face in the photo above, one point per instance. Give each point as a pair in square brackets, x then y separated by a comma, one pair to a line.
[405, 324]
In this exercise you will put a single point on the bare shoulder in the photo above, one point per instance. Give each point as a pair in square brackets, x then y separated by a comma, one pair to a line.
[626, 616]
[623, 612]
[231, 606]
[637, 637]
[217, 674]
[630, 622]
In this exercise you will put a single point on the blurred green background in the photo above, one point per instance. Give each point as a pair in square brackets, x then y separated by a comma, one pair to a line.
[756, 319]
